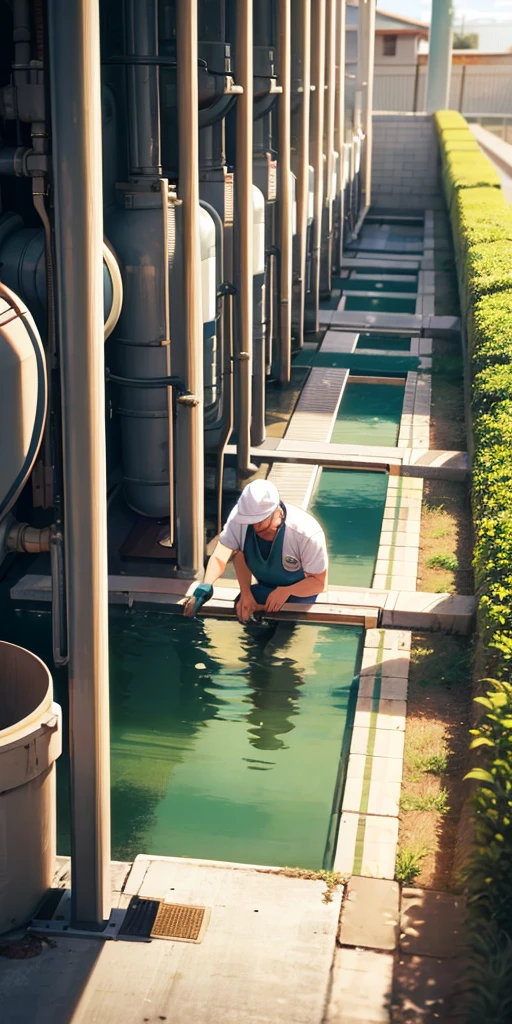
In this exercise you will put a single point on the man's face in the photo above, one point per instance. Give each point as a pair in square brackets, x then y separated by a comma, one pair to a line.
[265, 524]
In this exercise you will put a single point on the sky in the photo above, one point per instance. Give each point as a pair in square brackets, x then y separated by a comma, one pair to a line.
[495, 33]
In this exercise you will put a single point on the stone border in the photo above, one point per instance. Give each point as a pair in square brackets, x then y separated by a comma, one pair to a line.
[396, 567]
[414, 429]
[368, 831]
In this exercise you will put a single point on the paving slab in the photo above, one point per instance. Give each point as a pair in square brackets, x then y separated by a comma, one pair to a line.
[370, 913]
[266, 957]
[361, 988]
[432, 923]
[427, 990]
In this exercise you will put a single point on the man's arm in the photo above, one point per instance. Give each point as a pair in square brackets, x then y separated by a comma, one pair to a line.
[214, 570]
[246, 605]
[313, 584]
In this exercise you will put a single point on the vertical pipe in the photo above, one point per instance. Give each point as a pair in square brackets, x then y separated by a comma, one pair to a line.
[141, 28]
[74, 62]
[339, 113]
[189, 422]
[365, 63]
[243, 184]
[317, 145]
[303, 163]
[284, 29]
[439, 56]
[416, 87]
[330, 107]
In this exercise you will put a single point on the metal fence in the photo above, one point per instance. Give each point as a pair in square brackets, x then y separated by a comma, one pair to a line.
[474, 89]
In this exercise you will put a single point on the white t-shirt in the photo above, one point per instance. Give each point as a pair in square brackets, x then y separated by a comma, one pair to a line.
[304, 544]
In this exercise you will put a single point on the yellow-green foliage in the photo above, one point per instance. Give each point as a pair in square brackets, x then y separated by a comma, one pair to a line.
[449, 119]
[481, 223]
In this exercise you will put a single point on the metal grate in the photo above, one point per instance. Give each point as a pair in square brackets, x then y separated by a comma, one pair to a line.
[180, 923]
[229, 199]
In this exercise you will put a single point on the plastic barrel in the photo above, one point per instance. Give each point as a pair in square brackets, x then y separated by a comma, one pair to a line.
[30, 743]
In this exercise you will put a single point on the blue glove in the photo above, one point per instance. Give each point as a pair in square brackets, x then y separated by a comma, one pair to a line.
[202, 593]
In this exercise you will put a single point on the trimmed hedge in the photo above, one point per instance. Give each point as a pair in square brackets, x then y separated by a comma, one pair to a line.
[481, 224]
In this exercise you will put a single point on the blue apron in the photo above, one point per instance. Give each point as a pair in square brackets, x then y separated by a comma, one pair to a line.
[270, 572]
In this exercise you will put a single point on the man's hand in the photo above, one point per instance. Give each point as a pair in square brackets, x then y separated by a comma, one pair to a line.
[277, 599]
[245, 606]
[203, 592]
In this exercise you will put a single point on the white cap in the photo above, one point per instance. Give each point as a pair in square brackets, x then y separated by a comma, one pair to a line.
[257, 502]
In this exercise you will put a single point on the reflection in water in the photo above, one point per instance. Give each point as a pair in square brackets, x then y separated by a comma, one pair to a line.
[225, 741]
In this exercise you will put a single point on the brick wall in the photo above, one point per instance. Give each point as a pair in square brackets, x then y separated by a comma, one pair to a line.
[405, 167]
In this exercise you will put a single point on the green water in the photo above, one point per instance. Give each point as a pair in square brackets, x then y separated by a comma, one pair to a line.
[392, 342]
[369, 414]
[350, 505]
[227, 743]
[359, 363]
[354, 284]
[378, 305]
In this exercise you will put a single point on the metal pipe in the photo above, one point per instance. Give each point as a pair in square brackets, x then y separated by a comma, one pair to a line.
[329, 112]
[339, 113]
[365, 65]
[74, 59]
[29, 540]
[189, 420]
[243, 185]
[303, 156]
[141, 28]
[21, 31]
[167, 249]
[317, 146]
[284, 31]
[439, 56]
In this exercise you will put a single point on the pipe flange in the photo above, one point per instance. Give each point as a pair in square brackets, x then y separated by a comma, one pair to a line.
[189, 400]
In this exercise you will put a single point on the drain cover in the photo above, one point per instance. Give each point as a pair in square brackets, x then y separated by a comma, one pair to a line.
[139, 918]
[179, 922]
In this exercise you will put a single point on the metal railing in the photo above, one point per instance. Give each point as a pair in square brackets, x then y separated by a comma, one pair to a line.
[475, 89]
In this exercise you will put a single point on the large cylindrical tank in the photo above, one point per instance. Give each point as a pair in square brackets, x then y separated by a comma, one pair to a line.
[30, 743]
[136, 231]
[23, 263]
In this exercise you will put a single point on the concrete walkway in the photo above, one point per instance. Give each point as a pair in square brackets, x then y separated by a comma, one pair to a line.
[266, 956]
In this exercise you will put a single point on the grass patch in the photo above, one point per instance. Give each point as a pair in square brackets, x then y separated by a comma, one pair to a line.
[408, 864]
[444, 564]
[447, 420]
[435, 754]
[426, 802]
[333, 880]
[443, 561]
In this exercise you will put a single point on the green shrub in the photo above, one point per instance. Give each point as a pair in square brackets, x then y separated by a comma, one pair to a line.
[480, 215]
[488, 268]
[490, 330]
[449, 119]
[489, 880]
[494, 384]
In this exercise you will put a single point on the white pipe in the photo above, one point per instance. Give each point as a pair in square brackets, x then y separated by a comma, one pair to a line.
[74, 67]
[285, 189]
[339, 115]
[243, 185]
[317, 142]
[189, 421]
[365, 66]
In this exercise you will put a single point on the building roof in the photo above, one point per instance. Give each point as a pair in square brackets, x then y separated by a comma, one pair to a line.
[396, 21]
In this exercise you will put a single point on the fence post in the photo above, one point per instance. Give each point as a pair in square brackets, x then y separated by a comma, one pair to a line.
[416, 85]
[461, 92]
